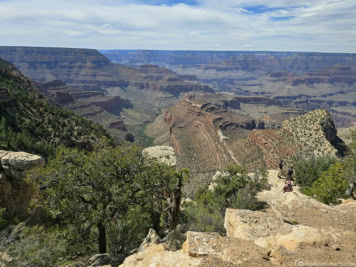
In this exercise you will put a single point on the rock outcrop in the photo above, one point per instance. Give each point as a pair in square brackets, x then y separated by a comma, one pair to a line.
[315, 130]
[164, 154]
[271, 231]
[15, 192]
[265, 238]
[15, 164]
[100, 260]
[228, 250]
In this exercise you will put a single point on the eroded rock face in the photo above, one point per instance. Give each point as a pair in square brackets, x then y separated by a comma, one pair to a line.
[15, 164]
[199, 249]
[316, 130]
[270, 231]
[164, 154]
[156, 255]
[229, 250]
[268, 238]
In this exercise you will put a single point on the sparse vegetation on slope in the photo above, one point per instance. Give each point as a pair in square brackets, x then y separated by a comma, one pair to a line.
[29, 123]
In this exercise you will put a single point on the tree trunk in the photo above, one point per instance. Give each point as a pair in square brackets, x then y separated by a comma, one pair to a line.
[102, 238]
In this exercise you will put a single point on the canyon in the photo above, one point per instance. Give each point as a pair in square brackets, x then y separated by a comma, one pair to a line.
[303, 80]
[123, 99]
[210, 132]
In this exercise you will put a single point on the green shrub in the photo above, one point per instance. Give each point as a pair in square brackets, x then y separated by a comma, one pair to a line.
[246, 200]
[308, 170]
[331, 186]
[127, 233]
[32, 246]
[3, 222]
[236, 189]
[205, 214]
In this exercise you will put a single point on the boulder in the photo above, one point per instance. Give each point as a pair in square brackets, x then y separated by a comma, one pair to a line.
[14, 164]
[251, 225]
[164, 154]
[228, 250]
[5, 258]
[272, 232]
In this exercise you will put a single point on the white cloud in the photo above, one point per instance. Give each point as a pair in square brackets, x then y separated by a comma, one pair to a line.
[319, 25]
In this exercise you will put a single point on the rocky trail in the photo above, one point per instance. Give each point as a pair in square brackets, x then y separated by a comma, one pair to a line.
[298, 208]
[292, 230]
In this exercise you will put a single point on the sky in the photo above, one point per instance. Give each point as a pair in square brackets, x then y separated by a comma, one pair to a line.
[227, 25]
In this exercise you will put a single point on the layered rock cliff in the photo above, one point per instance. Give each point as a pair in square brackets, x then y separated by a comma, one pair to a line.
[318, 80]
[209, 137]
[246, 60]
[73, 66]
[82, 80]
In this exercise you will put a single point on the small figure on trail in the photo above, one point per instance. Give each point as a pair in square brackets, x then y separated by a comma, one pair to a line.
[288, 186]
[280, 169]
[290, 173]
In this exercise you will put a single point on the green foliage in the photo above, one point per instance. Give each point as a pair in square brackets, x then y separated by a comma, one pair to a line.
[236, 189]
[331, 186]
[90, 193]
[204, 214]
[163, 191]
[3, 222]
[32, 246]
[85, 191]
[127, 233]
[308, 170]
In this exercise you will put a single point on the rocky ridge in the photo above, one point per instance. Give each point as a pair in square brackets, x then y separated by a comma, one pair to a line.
[209, 137]
[316, 129]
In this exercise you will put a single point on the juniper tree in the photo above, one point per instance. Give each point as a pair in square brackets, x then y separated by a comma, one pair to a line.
[85, 191]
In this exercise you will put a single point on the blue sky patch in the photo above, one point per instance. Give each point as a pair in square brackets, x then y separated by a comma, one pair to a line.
[282, 18]
[264, 9]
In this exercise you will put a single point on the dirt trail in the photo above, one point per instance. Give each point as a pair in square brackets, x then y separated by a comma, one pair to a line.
[299, 208]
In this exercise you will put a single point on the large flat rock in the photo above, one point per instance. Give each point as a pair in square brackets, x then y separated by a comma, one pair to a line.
[20, 160]
[271, 231]
[164, 154]
[14, 164]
